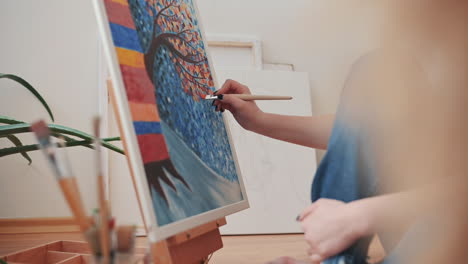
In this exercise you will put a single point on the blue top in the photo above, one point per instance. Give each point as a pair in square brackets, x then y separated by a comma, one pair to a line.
[346, 172]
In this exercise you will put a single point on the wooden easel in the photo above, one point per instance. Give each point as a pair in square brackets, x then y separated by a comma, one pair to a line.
[190, 247]
[193, 246]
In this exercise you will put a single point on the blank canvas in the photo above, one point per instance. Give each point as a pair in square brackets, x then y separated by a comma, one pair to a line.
[278, 175]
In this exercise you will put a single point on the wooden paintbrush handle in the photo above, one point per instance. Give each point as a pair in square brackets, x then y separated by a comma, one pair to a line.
[104, 232]
[251, 97]
[72, 195]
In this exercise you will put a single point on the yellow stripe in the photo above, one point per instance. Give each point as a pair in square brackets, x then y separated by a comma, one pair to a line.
[144, 112]
[123, 2]
[130, 58]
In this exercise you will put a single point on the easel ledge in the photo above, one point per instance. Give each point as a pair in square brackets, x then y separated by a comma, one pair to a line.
[190, 247]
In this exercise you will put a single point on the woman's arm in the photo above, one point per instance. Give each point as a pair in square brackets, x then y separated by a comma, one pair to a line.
[309, 131]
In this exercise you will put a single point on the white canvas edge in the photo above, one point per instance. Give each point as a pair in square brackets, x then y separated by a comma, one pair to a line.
[103, 108]
[252, 40]
[154, 232]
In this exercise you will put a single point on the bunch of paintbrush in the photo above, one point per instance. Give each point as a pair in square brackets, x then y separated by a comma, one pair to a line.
[67, 181]
[104, 214]
[116, 244]
[105, 240]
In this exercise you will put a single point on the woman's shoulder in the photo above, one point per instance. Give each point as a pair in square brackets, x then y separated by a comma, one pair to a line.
[382, 73]
[386, 58]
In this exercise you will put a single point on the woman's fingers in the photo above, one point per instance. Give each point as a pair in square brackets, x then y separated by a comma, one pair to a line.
[316, 259]
[231, 102]
[233, 87]
[309, 210]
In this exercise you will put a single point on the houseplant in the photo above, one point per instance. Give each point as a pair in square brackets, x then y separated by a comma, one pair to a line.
[10, 128]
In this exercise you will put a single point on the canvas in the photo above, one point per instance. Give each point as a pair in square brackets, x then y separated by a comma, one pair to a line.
[179, 148]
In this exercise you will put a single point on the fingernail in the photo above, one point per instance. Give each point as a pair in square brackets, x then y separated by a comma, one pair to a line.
[220, 97]
[298, 218]
[214, 101]
[315, 258]
[222, 110]
[216, 92]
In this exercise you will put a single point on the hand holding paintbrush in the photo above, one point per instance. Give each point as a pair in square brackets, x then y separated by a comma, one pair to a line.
[249, 97]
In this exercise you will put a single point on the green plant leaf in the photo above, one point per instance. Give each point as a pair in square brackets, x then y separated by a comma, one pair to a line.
[31, 89]
[83, 135]
[14, 129]
[111, 139]
[28, 148]
[25, 128]
[17, 142]
[11, 121]
[3, 261]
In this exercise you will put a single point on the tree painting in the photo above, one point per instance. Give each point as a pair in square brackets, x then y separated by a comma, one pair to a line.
[184, 144]
[173, 28]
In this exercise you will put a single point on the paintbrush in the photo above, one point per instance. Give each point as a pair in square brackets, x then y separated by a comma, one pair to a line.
[62, 171]
[67, 181]
[104, 217]
[248, 97]
[125, 240]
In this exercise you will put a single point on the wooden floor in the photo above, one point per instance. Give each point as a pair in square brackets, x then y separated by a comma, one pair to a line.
[237, 249]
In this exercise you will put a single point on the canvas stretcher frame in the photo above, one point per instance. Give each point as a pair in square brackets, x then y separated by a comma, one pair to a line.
[155, 233]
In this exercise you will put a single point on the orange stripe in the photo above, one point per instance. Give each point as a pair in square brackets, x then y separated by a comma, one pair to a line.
[144, 112]
[130, 58]
[123, 2]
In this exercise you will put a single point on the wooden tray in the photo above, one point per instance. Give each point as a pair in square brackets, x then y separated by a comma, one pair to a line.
[59, 252]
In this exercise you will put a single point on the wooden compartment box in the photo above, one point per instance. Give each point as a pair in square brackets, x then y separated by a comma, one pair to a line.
[59, 252]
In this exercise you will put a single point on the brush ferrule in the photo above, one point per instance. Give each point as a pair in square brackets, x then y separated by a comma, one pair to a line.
[62, 165]
[211, 97]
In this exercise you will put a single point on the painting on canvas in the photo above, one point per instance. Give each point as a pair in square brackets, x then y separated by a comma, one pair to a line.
[175, 139]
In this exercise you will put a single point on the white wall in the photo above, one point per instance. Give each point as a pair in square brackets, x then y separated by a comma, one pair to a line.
[53, 44]
[321, 37]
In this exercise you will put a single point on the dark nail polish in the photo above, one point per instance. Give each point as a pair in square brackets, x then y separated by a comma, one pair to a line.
[214, 101]
[220, 97]
[216, 92]
[298, 218]
[222, 110]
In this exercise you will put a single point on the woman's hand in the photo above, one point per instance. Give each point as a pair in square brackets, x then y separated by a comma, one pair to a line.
[246, 113]
[330, 227]
[310, 131]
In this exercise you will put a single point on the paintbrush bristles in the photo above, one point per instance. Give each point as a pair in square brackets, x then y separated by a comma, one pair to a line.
[40, 128]
[42, 132]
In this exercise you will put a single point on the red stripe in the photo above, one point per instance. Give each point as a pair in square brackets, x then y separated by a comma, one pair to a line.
[138, 86]
[153, 147]
[119, 14]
